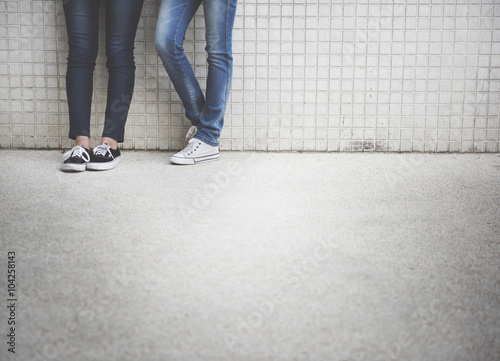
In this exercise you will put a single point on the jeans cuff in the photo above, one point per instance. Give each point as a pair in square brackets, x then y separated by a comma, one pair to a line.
[205, 139]
[118, 137]
[73, 135]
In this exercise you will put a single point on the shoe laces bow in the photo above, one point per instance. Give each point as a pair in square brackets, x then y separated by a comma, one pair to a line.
[77, 151]
[103, 149]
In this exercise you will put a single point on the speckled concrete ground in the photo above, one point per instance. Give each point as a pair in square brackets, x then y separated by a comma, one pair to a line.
[256, 257]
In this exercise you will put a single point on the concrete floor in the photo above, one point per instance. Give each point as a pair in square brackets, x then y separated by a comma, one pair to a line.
[260, 256]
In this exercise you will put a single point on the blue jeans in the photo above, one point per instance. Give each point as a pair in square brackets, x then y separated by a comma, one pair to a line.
[206, 113]
[82, 20]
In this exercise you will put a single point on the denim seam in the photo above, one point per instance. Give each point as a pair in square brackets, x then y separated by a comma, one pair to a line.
[217, 121]
[177, 58]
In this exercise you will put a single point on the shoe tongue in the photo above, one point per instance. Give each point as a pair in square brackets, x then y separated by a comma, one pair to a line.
[101, 149]
[191, 132]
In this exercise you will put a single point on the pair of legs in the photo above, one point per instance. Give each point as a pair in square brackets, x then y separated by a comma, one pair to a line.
[204, 112]
[82, 20]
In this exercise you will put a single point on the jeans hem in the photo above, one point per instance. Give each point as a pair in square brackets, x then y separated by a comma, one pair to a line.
[119, 139]
[206, 140]
[73, 135]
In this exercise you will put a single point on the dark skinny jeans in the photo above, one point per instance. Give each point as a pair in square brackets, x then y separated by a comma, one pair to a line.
[82, 22]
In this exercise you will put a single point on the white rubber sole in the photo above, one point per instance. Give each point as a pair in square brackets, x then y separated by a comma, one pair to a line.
[190, 161]
[73, 167]
[103, 165]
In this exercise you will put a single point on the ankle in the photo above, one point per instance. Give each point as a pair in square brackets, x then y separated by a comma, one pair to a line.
[82, 141]
[112, 142]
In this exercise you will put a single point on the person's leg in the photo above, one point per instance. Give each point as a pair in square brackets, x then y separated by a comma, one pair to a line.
[122, 18]
[219, 21]
[173, 19]
[82, 26]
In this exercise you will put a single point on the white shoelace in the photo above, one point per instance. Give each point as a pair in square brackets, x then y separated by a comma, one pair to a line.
[77, 151]
[191, 132]
[103, 149]
[190, 147]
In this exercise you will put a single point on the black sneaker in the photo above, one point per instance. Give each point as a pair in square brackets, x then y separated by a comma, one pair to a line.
[76, 159]
[104, 157]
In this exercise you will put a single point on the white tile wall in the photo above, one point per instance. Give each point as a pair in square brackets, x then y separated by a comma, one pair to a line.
[309, 75]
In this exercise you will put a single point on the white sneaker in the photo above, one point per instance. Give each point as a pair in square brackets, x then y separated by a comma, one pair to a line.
[196, 152]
